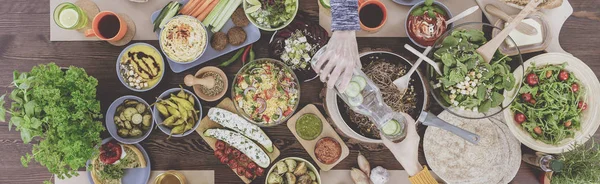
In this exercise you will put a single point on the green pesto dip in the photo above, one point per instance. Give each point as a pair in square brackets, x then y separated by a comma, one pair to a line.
[309, 126]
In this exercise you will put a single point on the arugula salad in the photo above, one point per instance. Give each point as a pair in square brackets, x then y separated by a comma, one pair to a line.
[468, 82]
[550, 105]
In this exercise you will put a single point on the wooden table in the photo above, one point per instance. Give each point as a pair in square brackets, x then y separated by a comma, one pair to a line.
[24, 42]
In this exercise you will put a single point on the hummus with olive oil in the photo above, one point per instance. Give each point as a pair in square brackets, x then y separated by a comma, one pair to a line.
[183, 39]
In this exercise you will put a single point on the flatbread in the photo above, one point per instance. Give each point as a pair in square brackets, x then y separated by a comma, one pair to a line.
[458, 161]
[138, 153]
[94, 173]
[514, 147]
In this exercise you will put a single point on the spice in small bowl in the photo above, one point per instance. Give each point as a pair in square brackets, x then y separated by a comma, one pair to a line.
[210, 83]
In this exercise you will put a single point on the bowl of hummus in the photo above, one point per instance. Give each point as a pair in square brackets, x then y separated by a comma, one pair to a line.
[183, 39]
[426, 22]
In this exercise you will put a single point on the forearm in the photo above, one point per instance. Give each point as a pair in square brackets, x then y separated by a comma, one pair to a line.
[344, 15]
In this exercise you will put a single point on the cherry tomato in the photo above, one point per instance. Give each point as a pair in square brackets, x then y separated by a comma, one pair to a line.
[219, 154]
[236, 153]
[266, 118]
[224, 160]
[220, 145]
[568, 124]
[532, 101]
[249, 175]
[260, 171]
[244, 159]
[548, 73]
[228, 151]
[582, 105]
[241, 171]
[520, 118]
[526, 97]
[537, 130]
[563, 75]
[574, 87]
[532, 79]
[233, 164]
[251, 165]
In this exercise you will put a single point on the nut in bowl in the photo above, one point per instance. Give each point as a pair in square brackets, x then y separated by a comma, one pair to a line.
[266, 92]
[177, 112]
[129, 119]
[293, 170]
[183, 39]
[140, 67]
[271, 15]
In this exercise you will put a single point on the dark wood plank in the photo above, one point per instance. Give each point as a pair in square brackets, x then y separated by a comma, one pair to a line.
[24, 42]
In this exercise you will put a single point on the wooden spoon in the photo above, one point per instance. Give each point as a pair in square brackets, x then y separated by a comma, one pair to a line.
[487, 51]
[208, 81]
[521, 27]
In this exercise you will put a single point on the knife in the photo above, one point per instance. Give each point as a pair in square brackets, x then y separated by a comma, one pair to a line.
[522, 27]
[429, 119]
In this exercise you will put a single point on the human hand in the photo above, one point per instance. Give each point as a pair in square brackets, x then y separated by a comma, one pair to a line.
[407, 151]
[339, 60]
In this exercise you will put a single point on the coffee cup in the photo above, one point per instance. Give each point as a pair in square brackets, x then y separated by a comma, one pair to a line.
[107, 26]
[372, 15]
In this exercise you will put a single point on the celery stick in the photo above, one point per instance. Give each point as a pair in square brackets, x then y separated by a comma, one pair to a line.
[228, 12]
[214, 13]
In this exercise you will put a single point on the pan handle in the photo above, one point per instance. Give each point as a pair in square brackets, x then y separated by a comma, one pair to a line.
[429, 119]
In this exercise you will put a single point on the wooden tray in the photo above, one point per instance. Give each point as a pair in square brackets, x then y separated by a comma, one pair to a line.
[206, 123]
[328, 131]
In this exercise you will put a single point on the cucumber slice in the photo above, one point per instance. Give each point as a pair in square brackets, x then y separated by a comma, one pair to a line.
[362, 82]
[325, 3]
[353, 89]
[355, 101]
[170, 14]
[392, 127]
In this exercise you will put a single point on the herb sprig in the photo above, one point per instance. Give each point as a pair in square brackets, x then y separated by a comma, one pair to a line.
[57, 112]
[429, 8]
[582, 165]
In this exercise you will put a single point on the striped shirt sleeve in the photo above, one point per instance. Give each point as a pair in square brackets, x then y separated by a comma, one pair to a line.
[344, 15]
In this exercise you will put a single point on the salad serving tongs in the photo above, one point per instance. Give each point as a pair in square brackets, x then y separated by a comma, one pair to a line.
[426, 118]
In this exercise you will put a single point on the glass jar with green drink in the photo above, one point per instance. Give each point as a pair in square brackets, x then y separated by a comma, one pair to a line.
[70, 16]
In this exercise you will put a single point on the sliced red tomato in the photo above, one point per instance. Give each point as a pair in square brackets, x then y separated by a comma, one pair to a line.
[287, 112]
[266, 118]
[110, 153]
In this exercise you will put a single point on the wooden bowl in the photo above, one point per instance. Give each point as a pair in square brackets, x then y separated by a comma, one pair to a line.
[204, 96]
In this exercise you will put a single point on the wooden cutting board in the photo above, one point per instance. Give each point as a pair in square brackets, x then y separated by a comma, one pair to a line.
[328, 131]
[206, 124]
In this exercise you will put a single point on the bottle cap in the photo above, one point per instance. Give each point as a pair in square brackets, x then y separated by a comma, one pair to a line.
[557, 165]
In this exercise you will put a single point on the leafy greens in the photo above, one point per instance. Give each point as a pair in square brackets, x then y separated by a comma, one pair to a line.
[57, 112]
[468, 81]
[555, 104]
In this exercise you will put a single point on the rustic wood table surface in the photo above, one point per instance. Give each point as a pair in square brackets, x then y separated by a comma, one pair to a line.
[24, 42]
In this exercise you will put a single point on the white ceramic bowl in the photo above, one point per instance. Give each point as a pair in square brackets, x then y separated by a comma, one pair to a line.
[589, 117]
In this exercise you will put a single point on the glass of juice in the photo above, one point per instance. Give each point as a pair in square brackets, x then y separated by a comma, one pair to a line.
[70, 16]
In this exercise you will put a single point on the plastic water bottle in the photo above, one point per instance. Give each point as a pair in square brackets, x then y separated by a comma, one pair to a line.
[364, 97]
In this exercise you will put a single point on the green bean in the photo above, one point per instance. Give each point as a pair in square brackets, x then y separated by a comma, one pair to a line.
[179, 121]
[183, 112]
[169, 121]
[233, 59]
[191, 99]
[162, 109]
[178, 129]
[173, 111]
[186, 104]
